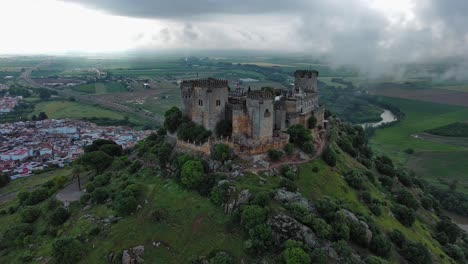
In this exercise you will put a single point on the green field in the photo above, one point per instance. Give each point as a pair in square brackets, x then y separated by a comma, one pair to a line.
[457, 129]
[67, 109]
[100, 88]
[436, 161]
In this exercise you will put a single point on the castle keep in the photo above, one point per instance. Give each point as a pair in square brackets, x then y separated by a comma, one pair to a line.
[258, 117]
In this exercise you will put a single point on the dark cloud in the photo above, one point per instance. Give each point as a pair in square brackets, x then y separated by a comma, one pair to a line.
[348, 32]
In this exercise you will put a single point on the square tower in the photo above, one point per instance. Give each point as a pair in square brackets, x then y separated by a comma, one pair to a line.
[305, 82]
[205, 101]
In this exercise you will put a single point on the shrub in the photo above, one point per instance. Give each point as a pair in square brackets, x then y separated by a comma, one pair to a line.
[327, 207]
[97, 160]
[358, 233]
[416, 253]
[296, 255]
[409, 151]
[275, 155]
[173, 119]
[261, 199]
[456, 252]
[193, 132]
[354, 179]
[298, 135]
[452, 231]
[219, 194]
[33, 197]
[99, 195]
[90, 187]
[406, 198]
[58, 216]
[381, 246]
[397, 237]
[385, 165]
[101, 180]
[312, 122]
[288, 185]
[66, 250]
[125, 205]
[289, 149]
[343, 249]
[405, 215]
[329, 157]
[261, 237]
[253, 215]
[318, 256]
[29, 214]
[222, 152]
[309, 148]
[192, 174]
[221, 258]
[340, 231]
[15, 233]
[321, 228]
[4, 180]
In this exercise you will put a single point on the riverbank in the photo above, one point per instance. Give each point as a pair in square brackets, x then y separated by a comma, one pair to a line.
[387, 117]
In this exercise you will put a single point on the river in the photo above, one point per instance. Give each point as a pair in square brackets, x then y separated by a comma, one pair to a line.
[461, 221]
[387, 117]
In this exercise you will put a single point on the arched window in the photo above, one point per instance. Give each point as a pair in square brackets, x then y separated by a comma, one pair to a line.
[267, 113]
[200, 102]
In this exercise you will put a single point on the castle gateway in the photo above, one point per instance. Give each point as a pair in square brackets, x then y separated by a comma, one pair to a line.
[258, 117]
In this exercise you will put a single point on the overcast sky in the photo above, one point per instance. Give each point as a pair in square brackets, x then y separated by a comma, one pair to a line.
[349, 31]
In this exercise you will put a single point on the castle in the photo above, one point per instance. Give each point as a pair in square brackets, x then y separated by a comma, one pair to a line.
[256, 115]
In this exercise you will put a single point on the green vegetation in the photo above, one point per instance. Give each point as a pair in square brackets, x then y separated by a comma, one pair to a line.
[456, 129]
[67, 109]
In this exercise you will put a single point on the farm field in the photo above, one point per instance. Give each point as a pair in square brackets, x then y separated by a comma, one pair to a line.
[420, 116]
[436, 160]
[67, 109]
[429, 95]
[100, 88]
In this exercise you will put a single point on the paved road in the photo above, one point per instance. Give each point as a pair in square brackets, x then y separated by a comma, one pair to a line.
[26, 76]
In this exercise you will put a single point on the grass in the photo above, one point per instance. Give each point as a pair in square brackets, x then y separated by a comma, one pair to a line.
[75, 110]
[420, 116]
[193, 227]
[33, 180]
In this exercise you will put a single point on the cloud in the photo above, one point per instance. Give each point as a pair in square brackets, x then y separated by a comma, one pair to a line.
[370, 33]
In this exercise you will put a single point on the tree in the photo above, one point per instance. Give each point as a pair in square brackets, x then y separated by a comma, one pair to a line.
[59, 216]
[76, 174]
[126, 205]
[308, 147]
[44, 94]
[163, 154]
[289, 149]
[253, 215]
[224, 128]
[192, 174]
[416, 253]
[42, 116]
[4, 179]
[312, 122]
[275, 155]
[405, 215]
[298, 135]
[404, 197]
[296, 255]
[222, 152]
[97, 160]
[113, 150]
[381, 246]
[173, 119]
[66, 250]
[30, 214]
[355, 179]
[329, 156]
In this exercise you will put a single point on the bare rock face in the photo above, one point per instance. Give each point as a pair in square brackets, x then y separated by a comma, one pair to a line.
[292, 197]
[285, 227]
[234, 204]
[133, 255]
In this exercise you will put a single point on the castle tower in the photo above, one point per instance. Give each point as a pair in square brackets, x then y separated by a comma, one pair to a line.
[205, 101]
[260, 108]
[305, 82]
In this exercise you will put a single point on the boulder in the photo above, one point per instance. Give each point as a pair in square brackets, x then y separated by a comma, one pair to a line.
[133, 255]
[285, 227]
[294, 197]
[234, 204]
[214, 165]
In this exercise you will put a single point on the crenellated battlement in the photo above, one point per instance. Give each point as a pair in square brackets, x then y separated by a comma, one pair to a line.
[205, 83]
[260, 95]
[305, 73]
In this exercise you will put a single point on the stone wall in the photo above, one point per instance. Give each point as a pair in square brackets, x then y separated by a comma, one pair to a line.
[240, 124]
[192, 148]
[305, 81]
[261, 114]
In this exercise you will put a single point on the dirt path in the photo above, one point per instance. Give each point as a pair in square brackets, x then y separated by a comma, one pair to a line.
[318, 152]
[71, 193]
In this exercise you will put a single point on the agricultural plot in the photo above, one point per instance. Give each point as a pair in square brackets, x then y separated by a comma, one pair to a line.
[100, 88]
[75, 110]
[429, 95]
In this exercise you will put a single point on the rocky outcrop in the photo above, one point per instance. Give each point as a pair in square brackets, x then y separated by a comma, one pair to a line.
[292, 197]
[234, 204]
[285, 227]
[133, 255]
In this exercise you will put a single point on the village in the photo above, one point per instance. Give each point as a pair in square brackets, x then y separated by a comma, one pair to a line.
[32, 146]
[8, 104]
